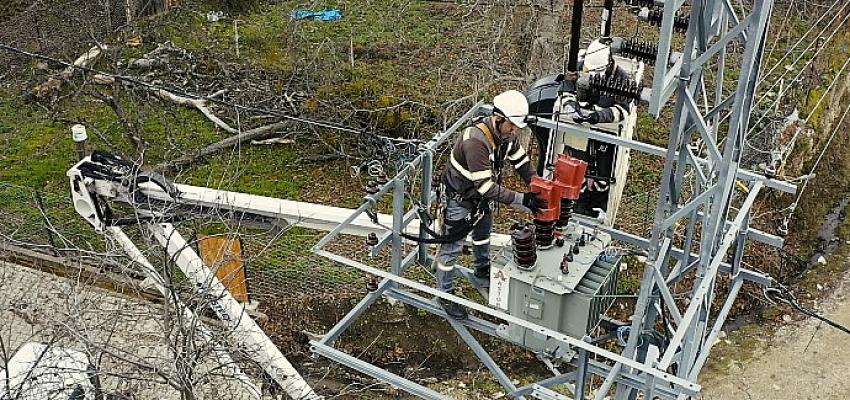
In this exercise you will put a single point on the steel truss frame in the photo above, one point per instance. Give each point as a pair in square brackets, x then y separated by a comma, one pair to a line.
[709, 36]
[700, 250]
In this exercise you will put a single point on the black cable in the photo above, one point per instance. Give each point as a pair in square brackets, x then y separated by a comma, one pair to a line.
[783, 295]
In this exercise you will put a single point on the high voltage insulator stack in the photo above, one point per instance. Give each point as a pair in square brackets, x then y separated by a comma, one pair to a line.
[635, 48]
[639, 3]
[656, 17]
[616, 87]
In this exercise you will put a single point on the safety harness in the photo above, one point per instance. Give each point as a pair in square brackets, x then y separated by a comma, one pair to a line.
[456, 230]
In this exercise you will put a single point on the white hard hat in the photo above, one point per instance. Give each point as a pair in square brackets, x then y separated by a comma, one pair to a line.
[597, 57]
[512, 105]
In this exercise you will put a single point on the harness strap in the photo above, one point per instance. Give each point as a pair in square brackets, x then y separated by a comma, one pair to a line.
[489, 135]
[462, 227]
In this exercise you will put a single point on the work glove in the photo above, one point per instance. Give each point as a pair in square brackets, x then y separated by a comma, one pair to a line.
[592, 118]
[528, 202]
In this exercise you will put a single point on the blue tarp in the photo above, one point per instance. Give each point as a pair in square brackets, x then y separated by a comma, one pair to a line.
[328, 14]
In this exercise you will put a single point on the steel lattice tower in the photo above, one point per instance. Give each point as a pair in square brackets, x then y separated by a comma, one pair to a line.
[711, 225]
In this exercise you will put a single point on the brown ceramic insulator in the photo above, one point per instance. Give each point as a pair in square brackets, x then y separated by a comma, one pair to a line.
[544, 233]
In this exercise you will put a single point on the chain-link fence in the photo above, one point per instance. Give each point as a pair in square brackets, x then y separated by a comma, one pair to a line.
[636, 212]
[44, 221]
[279, 263]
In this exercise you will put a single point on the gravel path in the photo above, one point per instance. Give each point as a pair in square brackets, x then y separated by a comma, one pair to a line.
[39, 307]
[792, 367]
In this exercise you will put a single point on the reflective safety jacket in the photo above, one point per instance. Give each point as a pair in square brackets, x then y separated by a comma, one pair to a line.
[476, 160]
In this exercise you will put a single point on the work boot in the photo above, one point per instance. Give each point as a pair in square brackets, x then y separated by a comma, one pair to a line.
[482, 276]
[454, 310]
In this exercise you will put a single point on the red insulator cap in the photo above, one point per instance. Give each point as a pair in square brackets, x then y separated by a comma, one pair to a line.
[549, 192]
[570, 172]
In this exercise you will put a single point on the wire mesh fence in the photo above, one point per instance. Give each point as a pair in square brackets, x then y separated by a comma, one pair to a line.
[285, 269]
[44, 221]
[636, 212]
[279, 264]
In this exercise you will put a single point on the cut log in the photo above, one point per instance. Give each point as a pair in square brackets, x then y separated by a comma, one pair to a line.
[227, 143]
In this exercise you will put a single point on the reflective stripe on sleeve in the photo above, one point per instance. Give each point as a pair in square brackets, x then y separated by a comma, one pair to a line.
[481, 175]
[518, 154]
[620, 113]
[521, 163]
[444, 267]
[485, 186]
[481, 242]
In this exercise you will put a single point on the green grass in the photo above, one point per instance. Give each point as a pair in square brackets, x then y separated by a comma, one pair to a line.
[37, 151]
[650, 130]
[738, 347]
[268, 171]
[34, 151]
[270, 39]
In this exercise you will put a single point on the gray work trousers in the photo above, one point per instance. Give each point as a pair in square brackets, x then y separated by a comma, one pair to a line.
[449, 252]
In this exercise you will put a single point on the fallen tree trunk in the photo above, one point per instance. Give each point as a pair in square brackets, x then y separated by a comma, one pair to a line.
[227, 143]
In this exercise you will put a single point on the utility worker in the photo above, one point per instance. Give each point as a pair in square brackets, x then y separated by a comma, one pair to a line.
[472, 180]
[582, 105]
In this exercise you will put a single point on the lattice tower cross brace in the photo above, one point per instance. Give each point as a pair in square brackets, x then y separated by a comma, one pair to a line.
[708, 208]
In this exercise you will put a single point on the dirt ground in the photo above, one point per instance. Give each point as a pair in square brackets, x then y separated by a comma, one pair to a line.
[804, 360]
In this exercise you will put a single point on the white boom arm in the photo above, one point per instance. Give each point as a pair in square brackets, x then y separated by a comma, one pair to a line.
[95, 182]
[308, 215]
[190, 321]
[243, 328]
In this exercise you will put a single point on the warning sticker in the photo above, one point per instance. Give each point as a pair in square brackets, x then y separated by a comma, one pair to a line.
[499, 287]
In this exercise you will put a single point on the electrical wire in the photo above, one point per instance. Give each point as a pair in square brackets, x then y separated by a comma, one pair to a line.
[782, 29]
[814, 56]
[784, 296]
[791, 50]
[817, 162]
[786, 152]
[794, 63]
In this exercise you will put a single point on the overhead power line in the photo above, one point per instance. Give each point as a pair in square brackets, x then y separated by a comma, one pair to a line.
[817, 162]
[786, 151]
[779, 95]
[792, 48]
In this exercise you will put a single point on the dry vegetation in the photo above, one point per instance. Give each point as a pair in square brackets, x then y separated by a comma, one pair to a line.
[395, 68]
